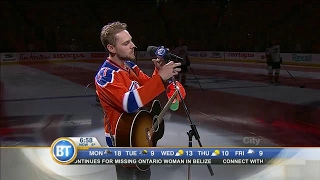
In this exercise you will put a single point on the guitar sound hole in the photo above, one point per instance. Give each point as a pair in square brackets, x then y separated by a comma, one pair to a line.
[148, 134]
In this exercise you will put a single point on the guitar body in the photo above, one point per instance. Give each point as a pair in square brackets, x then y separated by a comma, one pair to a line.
[132, 130]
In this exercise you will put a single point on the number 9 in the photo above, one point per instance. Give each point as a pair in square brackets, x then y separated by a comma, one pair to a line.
[260, 153]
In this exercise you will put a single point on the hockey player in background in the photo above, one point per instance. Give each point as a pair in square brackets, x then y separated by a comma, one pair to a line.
[274, 61]
[269, 65]
[182, 51]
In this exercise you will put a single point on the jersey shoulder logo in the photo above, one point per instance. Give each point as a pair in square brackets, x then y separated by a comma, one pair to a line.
[104, 76]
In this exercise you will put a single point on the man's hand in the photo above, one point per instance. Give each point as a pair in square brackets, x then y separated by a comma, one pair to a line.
[158, 63]
[168, 70]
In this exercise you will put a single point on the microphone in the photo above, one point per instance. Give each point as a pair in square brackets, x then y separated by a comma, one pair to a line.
[161, 52]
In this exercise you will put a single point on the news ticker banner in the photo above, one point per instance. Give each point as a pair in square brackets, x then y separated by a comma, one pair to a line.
[87, 150]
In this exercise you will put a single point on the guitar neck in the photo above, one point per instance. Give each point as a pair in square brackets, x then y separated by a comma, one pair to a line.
[166, 107]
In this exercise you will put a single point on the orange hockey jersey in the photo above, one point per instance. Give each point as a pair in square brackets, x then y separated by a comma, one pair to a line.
[124, 89]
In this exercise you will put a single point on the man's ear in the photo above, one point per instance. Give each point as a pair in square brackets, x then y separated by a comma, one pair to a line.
[111, 48]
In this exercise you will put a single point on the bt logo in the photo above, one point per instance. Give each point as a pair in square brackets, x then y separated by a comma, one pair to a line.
[63, 151]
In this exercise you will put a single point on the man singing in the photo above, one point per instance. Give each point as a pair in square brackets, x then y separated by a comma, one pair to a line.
[122, 87]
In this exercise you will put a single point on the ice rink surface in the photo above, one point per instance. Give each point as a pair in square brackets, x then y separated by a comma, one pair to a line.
[42, 102]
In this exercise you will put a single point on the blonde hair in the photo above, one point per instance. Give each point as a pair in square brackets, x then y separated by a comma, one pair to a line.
[108, 33]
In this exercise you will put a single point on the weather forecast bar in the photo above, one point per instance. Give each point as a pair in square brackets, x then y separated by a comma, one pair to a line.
[87, 150]
[179, 153]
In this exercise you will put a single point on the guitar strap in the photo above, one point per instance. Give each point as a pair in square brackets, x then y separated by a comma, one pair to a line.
[107, 119]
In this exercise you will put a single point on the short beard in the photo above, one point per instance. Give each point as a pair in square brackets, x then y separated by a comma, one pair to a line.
[127, 58]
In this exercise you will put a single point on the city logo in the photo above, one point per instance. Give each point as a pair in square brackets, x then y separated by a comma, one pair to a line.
[251, 140]
[63, 151]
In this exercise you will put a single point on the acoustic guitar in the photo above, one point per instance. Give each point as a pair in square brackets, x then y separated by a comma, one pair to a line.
[142, 129]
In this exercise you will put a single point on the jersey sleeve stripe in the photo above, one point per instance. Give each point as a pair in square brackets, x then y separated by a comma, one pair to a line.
[138, 99]
[109, 141]
[130, 101]
[125, 101]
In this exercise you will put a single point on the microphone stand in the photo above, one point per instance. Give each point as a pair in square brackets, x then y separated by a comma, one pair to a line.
[193, 132]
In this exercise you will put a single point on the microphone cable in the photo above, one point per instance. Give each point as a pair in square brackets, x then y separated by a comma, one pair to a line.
[88, 100]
